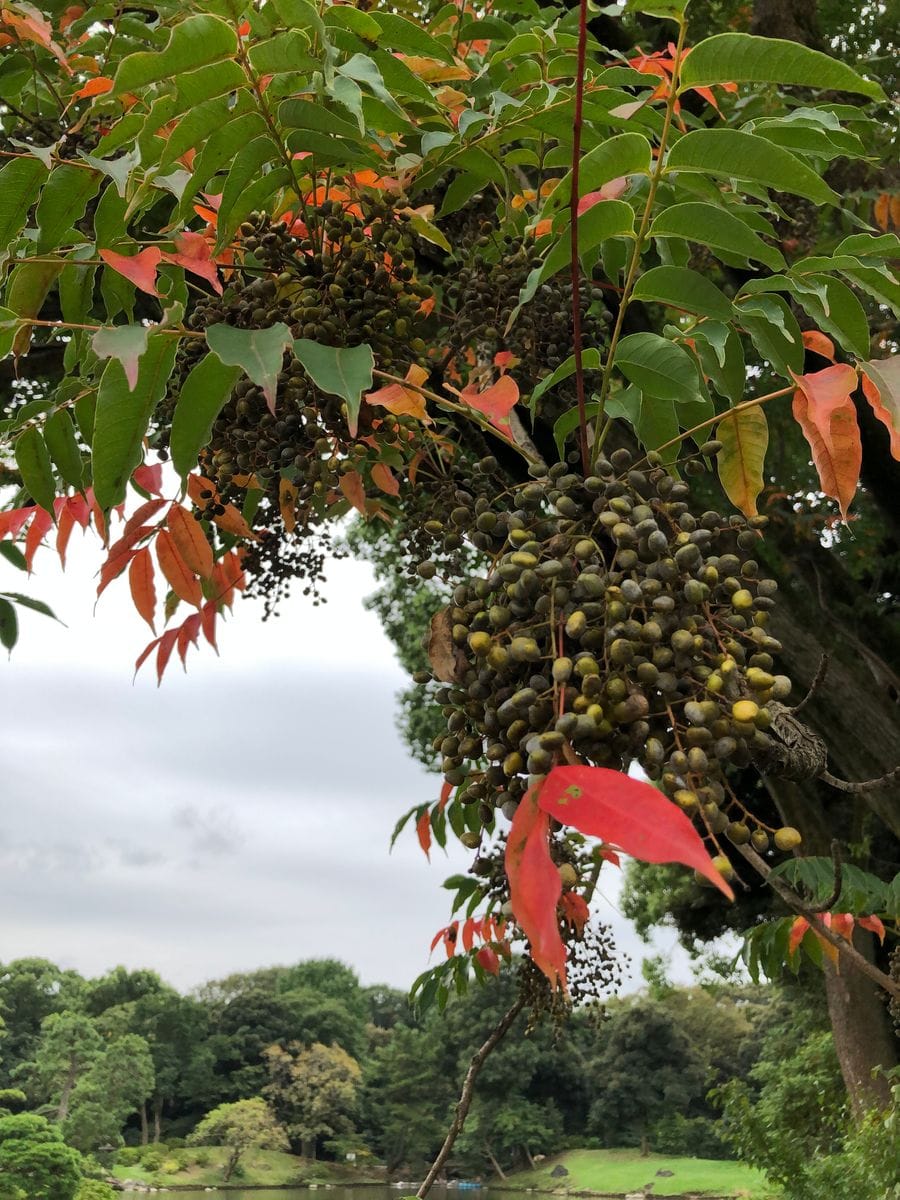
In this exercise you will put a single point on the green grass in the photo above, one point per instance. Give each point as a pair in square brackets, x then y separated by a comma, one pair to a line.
[611, 1172]
[257, 1168]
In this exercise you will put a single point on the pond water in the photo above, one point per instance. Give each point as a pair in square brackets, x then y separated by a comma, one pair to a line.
[334, 1193]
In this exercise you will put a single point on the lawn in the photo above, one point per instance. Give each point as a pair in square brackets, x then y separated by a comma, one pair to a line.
[257, 1168]
[615, 1172]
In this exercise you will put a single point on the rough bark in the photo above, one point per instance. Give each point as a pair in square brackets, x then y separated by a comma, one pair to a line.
[794, 20]
[145, 1127]
[63, 1110]
[157, 1120]
[497, 1168]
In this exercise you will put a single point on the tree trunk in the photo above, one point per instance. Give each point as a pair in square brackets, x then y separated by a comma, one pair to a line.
[157, 1120]
[231, 1164]
[145, 1128]
[645, 1145]
[529, 1157]
[308, 1147]
[795, 20]
[498, 1169]
[63, 1110]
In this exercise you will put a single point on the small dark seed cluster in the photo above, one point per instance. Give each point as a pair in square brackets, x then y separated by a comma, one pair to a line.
[612, 625]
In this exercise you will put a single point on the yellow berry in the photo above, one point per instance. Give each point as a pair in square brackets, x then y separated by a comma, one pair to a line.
[787, 838]
[744, 710]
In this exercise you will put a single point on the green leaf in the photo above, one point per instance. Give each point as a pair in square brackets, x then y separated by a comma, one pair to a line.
[658, 367]
[742, 58]
[342, 372]
[566, 425]
[35, 467]
[245, 168]
[13, 555]
[200, 401]
[59, 435]
[590, 360]
[774, 332]
[864, 245]
[624, 154]
[682, 288]
[300, 14]
[9, 625]
[657, 425]
[20, 183]
[840, 315]
[285, 52]
[673, 9]
[732, 154]
[408, 37]
[717, 228]
[123, 415]
[28, 287]
[9, 324]
[608, 219]
[429, 232]
[745, 439]
[303, 114]
[194, 42]
[721, 354]
[37, 606]
[126, 343]
[76, 285]
[258, 352]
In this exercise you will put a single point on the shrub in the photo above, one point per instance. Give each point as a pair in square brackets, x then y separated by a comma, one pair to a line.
[129, 1156]
[94, 1189]
[203, 1158]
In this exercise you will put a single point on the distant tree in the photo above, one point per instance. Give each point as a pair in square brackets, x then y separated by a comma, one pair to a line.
[94, 1189]
[405, 1098]
[35, 1163]
[241, 1126]
[119, 987]
[11, 1099]
[645, 1067]
[511, 1132]
[115, 1087]
[70, 1044]
[30, 990]
[314, 1090]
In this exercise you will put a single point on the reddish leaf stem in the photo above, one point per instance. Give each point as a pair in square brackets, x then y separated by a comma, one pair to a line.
[576, 264]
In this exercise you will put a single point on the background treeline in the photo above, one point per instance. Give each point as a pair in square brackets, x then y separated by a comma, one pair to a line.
[125, 1058]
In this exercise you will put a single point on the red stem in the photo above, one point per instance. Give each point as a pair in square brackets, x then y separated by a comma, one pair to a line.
[576, 264]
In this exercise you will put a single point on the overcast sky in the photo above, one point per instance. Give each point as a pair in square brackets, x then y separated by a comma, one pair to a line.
[238, 816]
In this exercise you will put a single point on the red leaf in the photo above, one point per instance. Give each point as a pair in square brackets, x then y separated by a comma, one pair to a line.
[423, 832]
[145, 654]
[437, 937]
[142, 514]
[818, 342]
[450, 938]
[182, 580]
[446, 793]
[190, 541]
[95, 87]
[188, 635]
[64, 525]
[139, 268]
[631, 815]
[37, 530]
[208, 623]
[352, 487]
[13, 521]
[232, 521]
[120, 555]
[496, 402]
[468, 934]
[192, 251]
[143, 590]
[825, 412]
[383, 477]
[575, 910]
[873, 924]
[535, 887]
[164, 652]
[842, 924]
[488, 960]
[149, 478]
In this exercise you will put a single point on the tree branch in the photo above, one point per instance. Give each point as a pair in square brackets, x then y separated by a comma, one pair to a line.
[799, 906]
[496, 1035]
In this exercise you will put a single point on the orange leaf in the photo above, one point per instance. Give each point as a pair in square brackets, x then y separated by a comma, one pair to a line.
[143, 590]
[232, 521]
[575, 910]
[37, 531]
[164, 652]
[535, 887]
[95, 87]
[352, 486]
[842, 924]
[881, 211]
[139, 268]
[825, 412]
[496, 402]
[383, 477]
[183, 582]
[881, 387]
[149, 478]
[287, 503]
[35, 28]
[797, 934]
[818, 342]
[434, 71]
[64, 525]
[190, 542]
[188, 635]
[423, 832]
[873, 924]
[120, 555]
[208, 623]
[446, 793]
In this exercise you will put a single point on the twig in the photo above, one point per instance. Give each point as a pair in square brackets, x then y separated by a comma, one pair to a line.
[799, 906]
[828, 905]
[818, 680]
[496, 1035]
[576, 262]
[867, 785]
